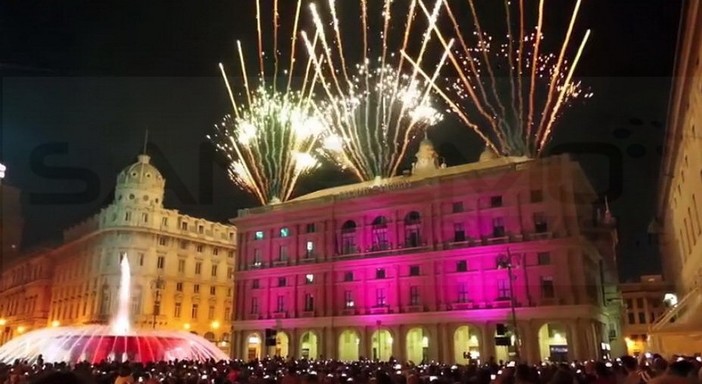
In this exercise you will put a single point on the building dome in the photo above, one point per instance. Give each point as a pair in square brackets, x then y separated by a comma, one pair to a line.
[488, 154]
[140, 182]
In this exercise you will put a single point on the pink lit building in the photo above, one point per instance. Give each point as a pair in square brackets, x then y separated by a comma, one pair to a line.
[418, 267]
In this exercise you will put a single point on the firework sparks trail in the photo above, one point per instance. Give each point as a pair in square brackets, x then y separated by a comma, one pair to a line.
[273, 138]
[378, 110]
[540, 84]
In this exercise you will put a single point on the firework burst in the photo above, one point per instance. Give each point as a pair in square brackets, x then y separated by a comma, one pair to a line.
[273, 135]
[514, 117]
[373, 110]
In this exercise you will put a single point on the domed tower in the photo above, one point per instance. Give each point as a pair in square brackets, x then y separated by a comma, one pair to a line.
[140, 184]
[427, 158]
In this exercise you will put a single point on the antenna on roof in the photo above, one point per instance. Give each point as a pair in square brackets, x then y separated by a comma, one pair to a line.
[146, 141]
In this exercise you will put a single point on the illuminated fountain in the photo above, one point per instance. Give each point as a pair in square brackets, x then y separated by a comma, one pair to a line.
[115, 341]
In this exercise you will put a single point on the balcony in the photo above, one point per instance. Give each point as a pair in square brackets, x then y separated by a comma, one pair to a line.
[253, 316]
[414, 308]
[379, 310]
[348, 311]
[279, 315]
[541, 236]
[497, 240]
[462, 306]
[307, 314]
[308, 260]
[281, 263]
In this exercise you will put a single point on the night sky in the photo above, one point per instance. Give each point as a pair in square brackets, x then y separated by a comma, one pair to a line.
[83, 80]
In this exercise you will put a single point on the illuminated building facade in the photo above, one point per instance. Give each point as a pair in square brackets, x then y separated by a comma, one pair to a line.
[679, 211]
[644, 303]
[182, 267]
[414, 267]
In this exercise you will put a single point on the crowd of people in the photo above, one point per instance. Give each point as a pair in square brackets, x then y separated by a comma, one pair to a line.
[626, 370]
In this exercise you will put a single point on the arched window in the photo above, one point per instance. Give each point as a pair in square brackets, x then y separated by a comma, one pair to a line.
[379, 233]
[348, 238]
[209, 336]
[413, 237]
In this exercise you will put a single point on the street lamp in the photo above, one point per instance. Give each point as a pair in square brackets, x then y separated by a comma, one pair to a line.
[505, 261]
[157, 286]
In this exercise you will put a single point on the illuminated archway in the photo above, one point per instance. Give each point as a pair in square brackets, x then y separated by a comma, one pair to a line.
[553, 342]
[381, 345]
[466, 344]
[349, 343]
[253, 346]
[308, 345]
[417, 345]
[282, 344]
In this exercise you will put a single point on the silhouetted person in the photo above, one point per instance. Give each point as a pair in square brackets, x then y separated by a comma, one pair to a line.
[61, 378]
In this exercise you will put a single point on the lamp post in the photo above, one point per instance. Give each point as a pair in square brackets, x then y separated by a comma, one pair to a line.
[505, 261]
[158, 285]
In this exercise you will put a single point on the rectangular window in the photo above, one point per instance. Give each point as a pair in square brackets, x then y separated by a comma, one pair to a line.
[193, 312]
[227, 314]
[230, 273]
[642, 317]
[181, 265]
[258, 235]
[459, 232]
[213, 291]
[461, 266]
[309, 249]
[183, 244]
[498, 227]
[543, 258]
[199, 248]
[230, 254]
[310, 228]
[348, 276]
[184, 225]
[198, 267]
[495, 201]
[255, 284]
[211, 313]
[414, 295]
[229, 292]
[380, 238]
[631, 318]
[540, 224]
[176, 310]
[201, 229]
[196, 288]
[280, 304]
[141, 259]
[145, 217]
[162, 241]
[380, 297]
[164, 221]
[179, 286]
[462, 293]
[639, 303]
[309, 278]
[380, 273]
[687, 236]
[697, 214]
[283, 253]
[629, 304]
[127, 216]
[537, 196]
[414, 270]
[457, 207]
[309, 302]
[284, 232]
[160, 262]
[254, 305]
[547, 288]
[214, 271]
[281, 281]
[348, 243]
[502, 289]
[257, 258]
[348, 299]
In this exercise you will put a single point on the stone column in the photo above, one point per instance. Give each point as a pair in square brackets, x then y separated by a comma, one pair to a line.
[329, 338]
[399, 345]
[572, 337]
[487, 341]
[433, 353]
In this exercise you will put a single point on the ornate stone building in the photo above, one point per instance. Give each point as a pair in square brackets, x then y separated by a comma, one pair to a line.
[182, 267]
[644, 301]
[429, 266]
[678, 223]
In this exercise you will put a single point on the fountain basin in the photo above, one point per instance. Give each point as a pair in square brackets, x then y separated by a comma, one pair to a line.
[95, 343]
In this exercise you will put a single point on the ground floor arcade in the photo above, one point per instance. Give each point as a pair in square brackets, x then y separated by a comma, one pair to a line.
[450, 339]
